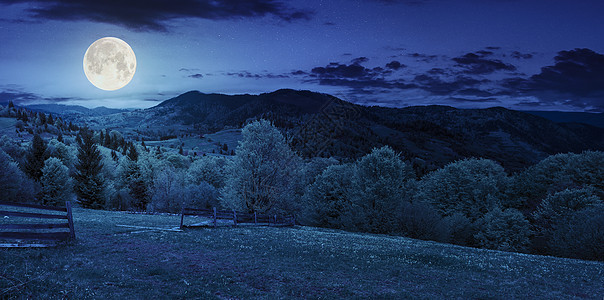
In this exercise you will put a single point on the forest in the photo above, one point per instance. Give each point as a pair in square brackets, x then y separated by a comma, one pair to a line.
[553, 207]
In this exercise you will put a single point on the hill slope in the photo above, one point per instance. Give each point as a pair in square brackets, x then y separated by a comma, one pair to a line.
[594, 119]
[322, 125]
[110, 261]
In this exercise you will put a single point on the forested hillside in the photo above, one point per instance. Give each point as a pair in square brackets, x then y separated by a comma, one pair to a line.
[322, 125]
[551, 207]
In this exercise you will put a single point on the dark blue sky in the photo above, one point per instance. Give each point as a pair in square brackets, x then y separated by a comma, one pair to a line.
[529, 55]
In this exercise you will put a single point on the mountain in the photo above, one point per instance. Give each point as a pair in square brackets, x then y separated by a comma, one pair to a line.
[322, 125]
[594, 119]
[71, 110]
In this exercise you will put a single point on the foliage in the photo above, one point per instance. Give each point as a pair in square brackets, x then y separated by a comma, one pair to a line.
[581, 235]
[381, 177]
[506, 230]
[328, 200]
[129, 176]
[421, 221]
[15, 186]
[260, 171]
[170, 192]
[56, 183]
[471, 187]
[557, 173]
[61, 151]
[210, 169]
[561, 205]
[35, 158]
[89, 182]
[13, 149]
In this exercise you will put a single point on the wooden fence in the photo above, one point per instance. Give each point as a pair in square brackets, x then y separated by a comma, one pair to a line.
[49, 233]
[237, 217]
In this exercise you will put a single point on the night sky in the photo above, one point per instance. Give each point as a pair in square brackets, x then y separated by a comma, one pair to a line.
[525, 54]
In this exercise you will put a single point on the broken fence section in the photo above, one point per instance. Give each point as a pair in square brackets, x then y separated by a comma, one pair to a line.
[236, 217]
[22, 225]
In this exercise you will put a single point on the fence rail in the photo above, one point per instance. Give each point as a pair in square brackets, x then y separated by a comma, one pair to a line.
[237, 217]
[14, 232]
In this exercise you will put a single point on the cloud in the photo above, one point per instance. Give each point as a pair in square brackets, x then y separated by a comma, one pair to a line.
[423, 57]
[21, 97]
[576, 78]
[355, 76]
[359, 60]
[476, 64]
[248, 74]
[336, 70]
[406, 2]
[474, 100]
[17, 97]
[196, 75]
[484, 53]
[395, 65]
[153, 15]
[437, 86]
[519, 55]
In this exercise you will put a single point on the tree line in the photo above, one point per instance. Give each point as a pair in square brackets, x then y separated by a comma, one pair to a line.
[554, 207]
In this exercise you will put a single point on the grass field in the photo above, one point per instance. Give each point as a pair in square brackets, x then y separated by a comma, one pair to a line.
[112, 262]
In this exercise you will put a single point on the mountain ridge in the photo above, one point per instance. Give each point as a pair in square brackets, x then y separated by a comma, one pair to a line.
[318, 124]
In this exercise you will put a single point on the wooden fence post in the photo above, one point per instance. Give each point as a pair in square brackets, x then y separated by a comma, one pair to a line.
[70, 220]
[234, 217]
[182, 217]
[255, 219]
[214, 217]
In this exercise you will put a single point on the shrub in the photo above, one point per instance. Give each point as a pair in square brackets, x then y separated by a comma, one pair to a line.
[580, 235]
[420, 221]
[558, 208]
[461, 230]
[561, 205]
[15, 186]
[506, 230]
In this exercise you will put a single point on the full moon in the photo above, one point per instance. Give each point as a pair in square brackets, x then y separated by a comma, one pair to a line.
[109, 63]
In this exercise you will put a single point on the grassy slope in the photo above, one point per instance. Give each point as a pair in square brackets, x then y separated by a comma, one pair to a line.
[108, 261]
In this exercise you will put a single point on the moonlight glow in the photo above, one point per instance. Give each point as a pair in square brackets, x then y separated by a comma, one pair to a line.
[109, 63]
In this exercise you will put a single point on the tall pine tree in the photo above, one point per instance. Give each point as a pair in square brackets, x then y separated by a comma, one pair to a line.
[36, 157]
[89, 181]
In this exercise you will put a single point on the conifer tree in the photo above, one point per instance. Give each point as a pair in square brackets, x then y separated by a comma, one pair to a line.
[36, 157]
[89, 181]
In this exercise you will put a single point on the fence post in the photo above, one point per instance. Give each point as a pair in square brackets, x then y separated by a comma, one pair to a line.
[70, 220]
[182, 217]
[214, 217]
[275, 219]
[234, 217]
[255, 220]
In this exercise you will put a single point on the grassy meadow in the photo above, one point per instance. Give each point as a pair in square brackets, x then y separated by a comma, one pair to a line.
[115, 262]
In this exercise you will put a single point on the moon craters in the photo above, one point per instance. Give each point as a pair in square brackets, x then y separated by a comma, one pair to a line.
[109, 63]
